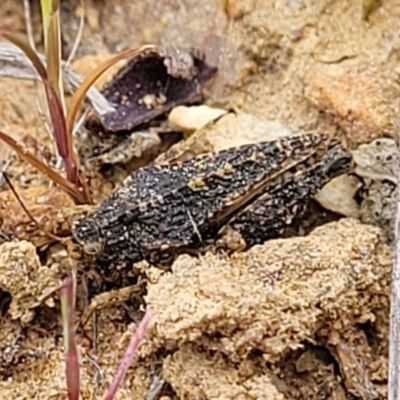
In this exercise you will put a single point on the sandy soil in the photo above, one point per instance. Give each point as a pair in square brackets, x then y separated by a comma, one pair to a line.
[297, 318]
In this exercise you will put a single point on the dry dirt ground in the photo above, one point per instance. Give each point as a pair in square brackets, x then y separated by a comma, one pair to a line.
[296, 318]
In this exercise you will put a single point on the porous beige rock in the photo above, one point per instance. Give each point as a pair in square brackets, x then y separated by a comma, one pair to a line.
[34, 362]
[338, 195]
[11, 334]
[48, 381]
[377, 163]
[195, 374]
[274, 297]
[363, 102]
[50, 207]
[231, 130]
[25, 279]
[379, 206]
[377, 160]
[352, 357]
[190, 119]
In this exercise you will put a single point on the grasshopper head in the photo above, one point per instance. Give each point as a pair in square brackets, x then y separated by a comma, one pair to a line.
[87, 236]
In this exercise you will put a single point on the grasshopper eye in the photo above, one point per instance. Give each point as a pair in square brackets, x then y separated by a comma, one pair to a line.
[88, 235]
[93, 248]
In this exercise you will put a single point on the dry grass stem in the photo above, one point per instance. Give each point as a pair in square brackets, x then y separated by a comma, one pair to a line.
[394, 338]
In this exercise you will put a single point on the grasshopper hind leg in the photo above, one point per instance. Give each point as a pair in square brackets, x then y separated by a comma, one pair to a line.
[270, 216]
[108, 299]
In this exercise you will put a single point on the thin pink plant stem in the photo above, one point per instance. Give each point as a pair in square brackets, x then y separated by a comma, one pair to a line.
[129, 354]
[72, 373]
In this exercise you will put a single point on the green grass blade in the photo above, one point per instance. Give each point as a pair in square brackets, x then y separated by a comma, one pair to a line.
[52, 36]
[46, 8]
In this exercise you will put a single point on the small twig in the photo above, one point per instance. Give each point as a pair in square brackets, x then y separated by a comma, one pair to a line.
[27, 212]
[21, 203]
[28, 23]
[42, 114]
[15, 64]
[6, 238]
[58, 166]
[78, 36]
[156, 386]
[49, 294]
[393, 43]
[80, 122]
[2, 181]
[99, 374]
[3, 170]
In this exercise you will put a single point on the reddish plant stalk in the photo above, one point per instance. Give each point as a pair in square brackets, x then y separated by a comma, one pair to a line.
[72, 374]
[129, 354]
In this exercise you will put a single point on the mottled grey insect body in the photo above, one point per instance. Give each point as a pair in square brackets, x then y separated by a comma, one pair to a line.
[161, 211]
